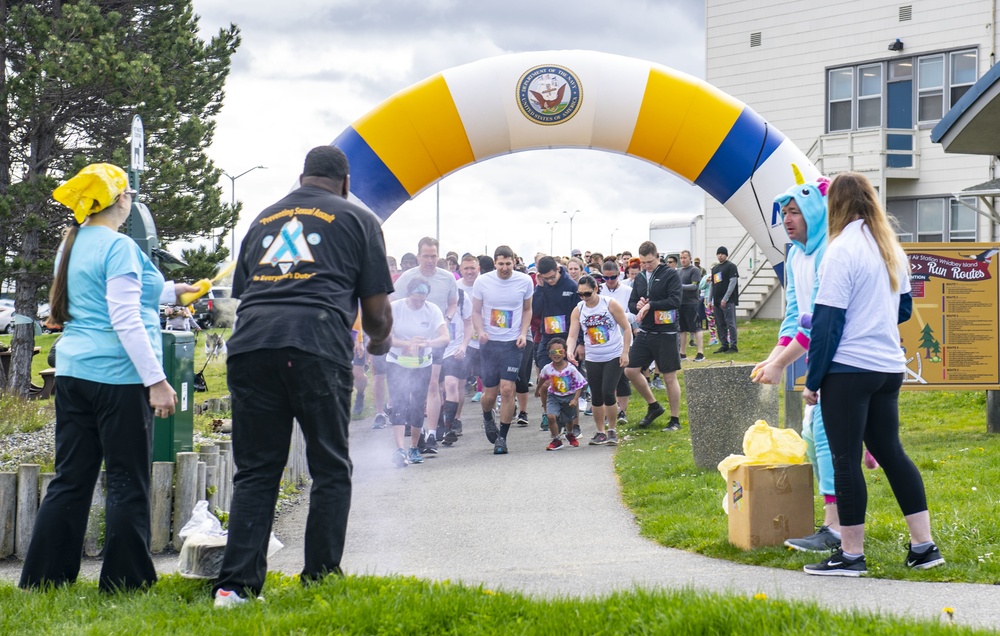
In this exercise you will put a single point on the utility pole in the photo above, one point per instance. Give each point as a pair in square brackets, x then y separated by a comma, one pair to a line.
[571, 229]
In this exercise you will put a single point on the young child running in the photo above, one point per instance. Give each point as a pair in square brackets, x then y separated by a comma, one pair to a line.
[564, 383]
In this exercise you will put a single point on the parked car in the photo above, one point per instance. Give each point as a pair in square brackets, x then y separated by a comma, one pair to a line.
[6, 315]
[217, 308]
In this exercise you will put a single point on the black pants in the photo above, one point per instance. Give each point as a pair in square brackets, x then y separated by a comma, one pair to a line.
[864, 407]
[524, 370]
[408, 394]
[604, 379]
[270, 387]
[96, 422]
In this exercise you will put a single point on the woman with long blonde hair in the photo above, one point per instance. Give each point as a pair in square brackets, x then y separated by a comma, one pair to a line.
[856, 361]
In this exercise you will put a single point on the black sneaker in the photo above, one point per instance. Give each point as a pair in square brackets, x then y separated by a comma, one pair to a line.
[500, 446]
[674, 425]
[522, 419]
[823, 540]
[683, 356]
[653, 411]
[925, 560]
[734, 349]
[700, 357]
[837, 565]
[723, 349]
[491, 430]
[622, 418]
[449, 438]
[380, 421]
[576, 430]
[456, 427]
[430, 446]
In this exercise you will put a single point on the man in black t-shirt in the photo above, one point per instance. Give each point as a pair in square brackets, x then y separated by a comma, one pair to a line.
[304, 265]
[725, 297]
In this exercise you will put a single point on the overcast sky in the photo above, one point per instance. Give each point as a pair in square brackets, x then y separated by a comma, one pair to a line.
[307, 69]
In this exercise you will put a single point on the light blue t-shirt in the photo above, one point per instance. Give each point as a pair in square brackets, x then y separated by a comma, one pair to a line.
[90, 348]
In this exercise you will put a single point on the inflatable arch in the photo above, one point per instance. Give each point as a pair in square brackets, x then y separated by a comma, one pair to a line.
[575, 99]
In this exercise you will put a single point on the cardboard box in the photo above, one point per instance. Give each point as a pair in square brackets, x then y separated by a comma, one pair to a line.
[769, 504]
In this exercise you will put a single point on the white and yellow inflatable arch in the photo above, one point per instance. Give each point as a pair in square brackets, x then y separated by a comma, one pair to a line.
[574, 99]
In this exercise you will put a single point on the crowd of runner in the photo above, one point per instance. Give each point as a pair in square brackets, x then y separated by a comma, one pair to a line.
[584, 330]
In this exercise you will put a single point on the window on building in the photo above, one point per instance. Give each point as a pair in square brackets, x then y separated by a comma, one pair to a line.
[930, 88]
[841, 99]
[870, 96]
[962, 226]
[963, 73]
[933, 220]
[898, 93]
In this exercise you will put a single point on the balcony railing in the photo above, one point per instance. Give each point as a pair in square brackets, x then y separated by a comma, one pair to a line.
[889, 152]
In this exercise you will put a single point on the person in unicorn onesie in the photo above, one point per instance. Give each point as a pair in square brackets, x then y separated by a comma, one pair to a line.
[803, 213]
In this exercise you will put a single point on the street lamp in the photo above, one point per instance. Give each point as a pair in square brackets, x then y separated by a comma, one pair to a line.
[232, 184]
[552, 228]
[613, 240]
[571, 229]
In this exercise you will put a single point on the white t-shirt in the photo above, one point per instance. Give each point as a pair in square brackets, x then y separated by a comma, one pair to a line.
[852, 276]
[503, 303]
[621, 294]
[602, 337]
[474, 343]
[442, 284]
[408, 324]
[456, 328]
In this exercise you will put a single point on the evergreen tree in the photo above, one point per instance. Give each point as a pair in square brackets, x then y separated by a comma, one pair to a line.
[72, 75]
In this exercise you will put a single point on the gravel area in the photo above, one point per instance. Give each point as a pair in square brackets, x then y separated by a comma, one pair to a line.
[28, 448]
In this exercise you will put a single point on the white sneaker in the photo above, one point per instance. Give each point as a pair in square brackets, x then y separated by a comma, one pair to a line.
[228, 598]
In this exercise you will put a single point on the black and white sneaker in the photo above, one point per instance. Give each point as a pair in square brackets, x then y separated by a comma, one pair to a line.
[653, 411]
[622, 418]
[837, 565]
[924, 560]
[500, 446]
[380, 421]
[492, 432]
[456, 427]
[522, 419]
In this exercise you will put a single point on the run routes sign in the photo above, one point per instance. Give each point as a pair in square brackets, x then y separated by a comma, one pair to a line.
[952, 340]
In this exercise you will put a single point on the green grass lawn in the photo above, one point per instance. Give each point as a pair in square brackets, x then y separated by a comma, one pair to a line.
[396, 605]
[679, 505]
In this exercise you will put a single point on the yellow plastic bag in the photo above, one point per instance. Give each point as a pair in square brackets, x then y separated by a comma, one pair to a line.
[764, 444]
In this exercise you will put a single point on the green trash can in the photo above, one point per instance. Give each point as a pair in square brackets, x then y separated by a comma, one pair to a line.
[175, 434]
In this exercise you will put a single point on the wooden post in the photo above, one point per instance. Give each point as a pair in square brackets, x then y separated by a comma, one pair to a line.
[213, 405]
[27, 507]
[993, 411]
[8, 513]
[184, 493]
[162, 488]
[44, 479]
[794, 410]
[226, 403]
[93, 542]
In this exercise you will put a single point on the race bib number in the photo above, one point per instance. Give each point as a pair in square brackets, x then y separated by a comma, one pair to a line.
[451, 331]
[560, 385]
[717, 278]
[664, 317]
[597, 335]
[555, 324]
[501, 318]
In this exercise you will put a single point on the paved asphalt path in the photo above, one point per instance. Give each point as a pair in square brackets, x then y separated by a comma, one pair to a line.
[552, 524]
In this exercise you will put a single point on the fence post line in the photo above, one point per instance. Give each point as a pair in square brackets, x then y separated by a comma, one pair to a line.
[8, 513]
[161, 495]
[92, 543]
[27, 507]
[184, 498]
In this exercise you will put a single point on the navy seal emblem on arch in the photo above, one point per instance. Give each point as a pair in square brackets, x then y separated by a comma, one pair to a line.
[549, 94]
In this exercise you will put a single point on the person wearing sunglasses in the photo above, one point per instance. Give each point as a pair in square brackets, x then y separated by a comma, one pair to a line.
[607, 338]
[562, 382]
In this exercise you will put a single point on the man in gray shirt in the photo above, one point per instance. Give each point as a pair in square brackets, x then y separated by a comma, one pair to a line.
[690, 326]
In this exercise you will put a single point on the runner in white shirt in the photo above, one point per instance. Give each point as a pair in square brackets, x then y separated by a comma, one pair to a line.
[613, 287]
[501, 314]
[455, 367]
[469, 268]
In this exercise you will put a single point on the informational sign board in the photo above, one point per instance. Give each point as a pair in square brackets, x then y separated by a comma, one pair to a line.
[952, 339]
[137, 162]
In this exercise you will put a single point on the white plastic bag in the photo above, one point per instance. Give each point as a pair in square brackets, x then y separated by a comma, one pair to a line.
[202, 522]
[205, 544]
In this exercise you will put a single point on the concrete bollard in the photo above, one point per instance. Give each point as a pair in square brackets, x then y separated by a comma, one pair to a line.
[44, 479]
[225, 474]
[27, 507]
[210, 455]
[161, 495]
[93, 542]
[199, 491]
[8, 513]
[722, 404]
[184, 493]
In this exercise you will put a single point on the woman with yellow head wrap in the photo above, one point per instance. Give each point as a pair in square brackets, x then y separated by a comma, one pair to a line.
[106, 293]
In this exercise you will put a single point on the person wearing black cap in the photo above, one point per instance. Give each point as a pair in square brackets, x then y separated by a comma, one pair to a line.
[725, 297]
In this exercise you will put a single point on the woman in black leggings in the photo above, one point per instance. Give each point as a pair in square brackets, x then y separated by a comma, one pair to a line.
[856, 361]
[607, 338]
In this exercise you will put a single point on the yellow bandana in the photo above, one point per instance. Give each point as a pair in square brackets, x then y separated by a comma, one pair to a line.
[92, 189]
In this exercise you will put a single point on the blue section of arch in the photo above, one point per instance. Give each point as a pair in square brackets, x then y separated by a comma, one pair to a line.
[739, 155]
[374, 183]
